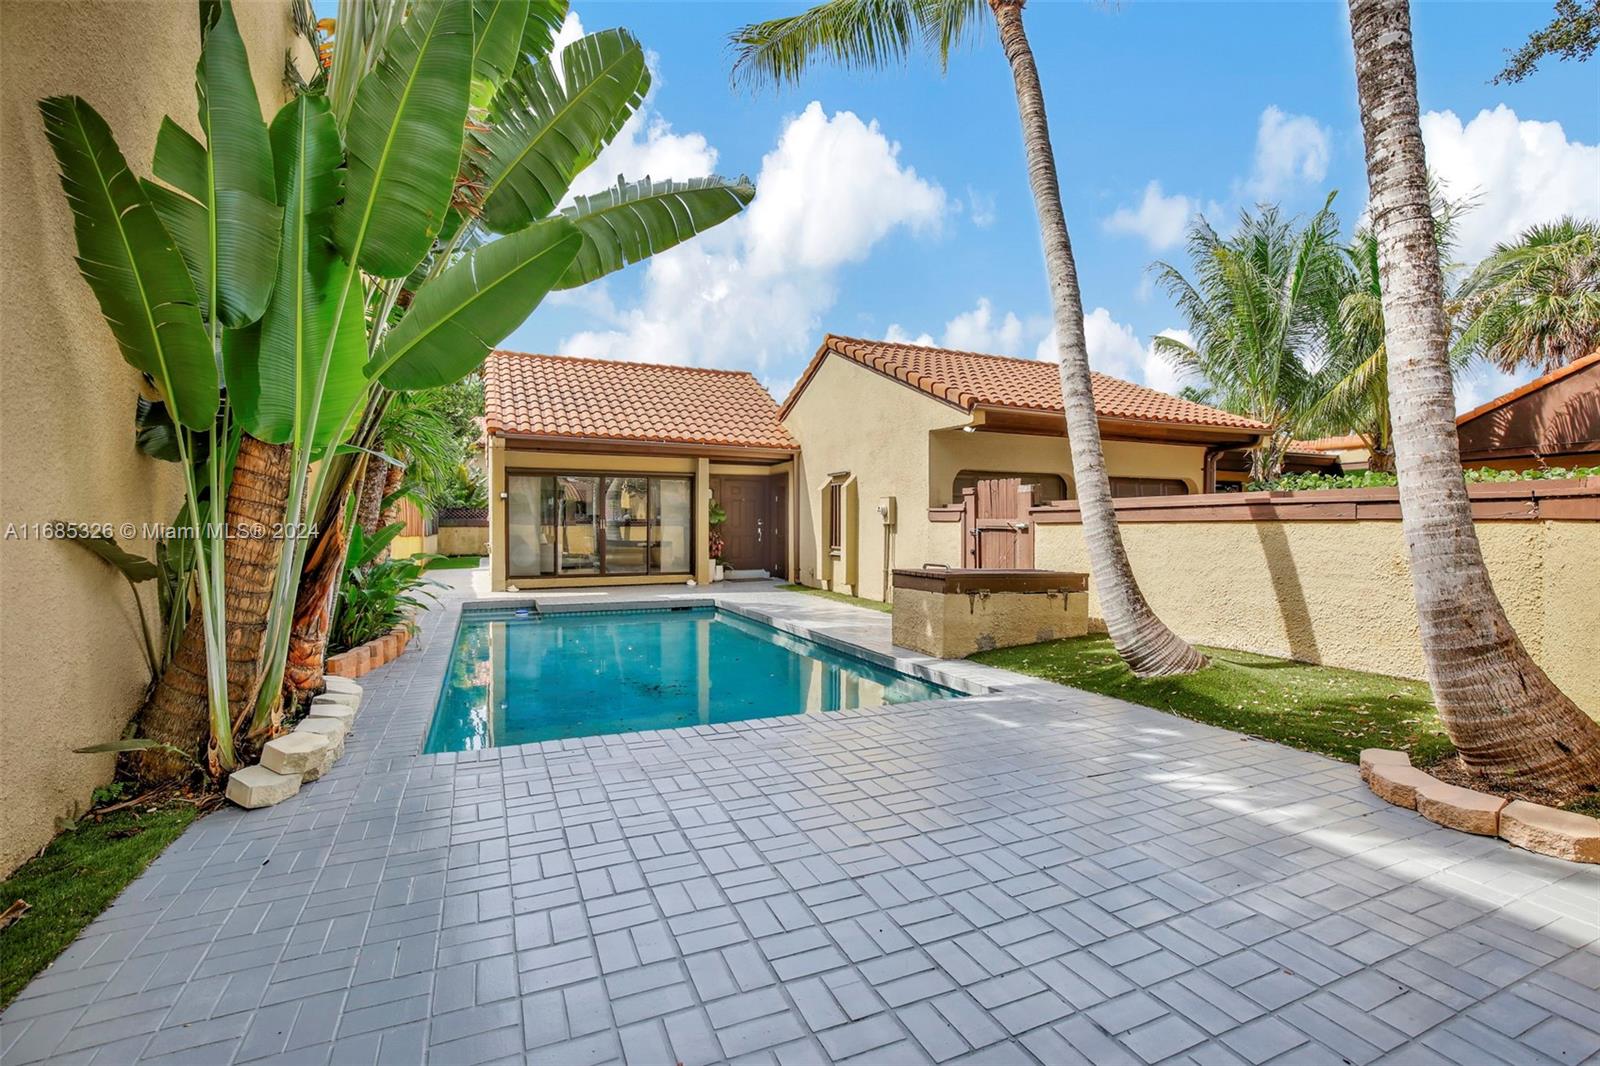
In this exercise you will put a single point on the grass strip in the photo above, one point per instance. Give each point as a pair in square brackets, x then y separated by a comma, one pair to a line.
[78, 875]
[454, 562]
[1322, 709]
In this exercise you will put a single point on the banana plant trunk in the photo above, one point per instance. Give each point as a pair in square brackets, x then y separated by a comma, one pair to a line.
[313, 614]
[177, 713]
[1143, 640]
[1505, 716]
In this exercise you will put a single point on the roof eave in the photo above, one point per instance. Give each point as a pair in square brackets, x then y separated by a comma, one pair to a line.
[998, 415]
[634, 446]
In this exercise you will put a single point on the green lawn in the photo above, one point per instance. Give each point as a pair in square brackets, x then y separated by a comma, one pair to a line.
[76, 878]
[839, 597]
[455, 562]
[1314, 708]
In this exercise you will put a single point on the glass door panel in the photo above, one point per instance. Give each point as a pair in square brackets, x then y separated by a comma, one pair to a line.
[529, 536]
[576, 507]
[672, 522]
[627, 524]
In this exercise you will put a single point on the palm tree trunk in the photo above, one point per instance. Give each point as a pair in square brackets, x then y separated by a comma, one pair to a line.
[1143, 640]
[1505, 716]
[369, 512]
[177, 713]
[394, 477]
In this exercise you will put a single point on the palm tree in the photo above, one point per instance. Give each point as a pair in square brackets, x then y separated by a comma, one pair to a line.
[1352, 388]
[873, 33]
[1258, 309]
[1506, 717]
[1535, 302]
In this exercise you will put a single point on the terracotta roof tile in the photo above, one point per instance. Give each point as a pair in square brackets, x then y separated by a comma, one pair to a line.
[972, 379]
[565, 396]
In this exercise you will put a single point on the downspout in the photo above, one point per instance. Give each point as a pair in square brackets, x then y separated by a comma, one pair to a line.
[1208, 475]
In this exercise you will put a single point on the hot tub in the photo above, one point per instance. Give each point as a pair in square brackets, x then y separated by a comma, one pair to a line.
[951, 613]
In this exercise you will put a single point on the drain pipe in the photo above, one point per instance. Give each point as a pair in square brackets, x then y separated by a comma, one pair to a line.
[1208, 470]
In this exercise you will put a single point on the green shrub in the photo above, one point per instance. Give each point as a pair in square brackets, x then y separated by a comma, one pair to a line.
[375, 596]
[1373, 479]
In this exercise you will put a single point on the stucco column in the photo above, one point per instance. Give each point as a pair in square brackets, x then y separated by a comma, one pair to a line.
[499, 542]
[702, 521]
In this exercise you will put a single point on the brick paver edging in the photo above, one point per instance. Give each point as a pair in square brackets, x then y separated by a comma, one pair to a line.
[1546, 830]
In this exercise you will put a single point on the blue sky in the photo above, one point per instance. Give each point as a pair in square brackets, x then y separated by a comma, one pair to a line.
[896, 204]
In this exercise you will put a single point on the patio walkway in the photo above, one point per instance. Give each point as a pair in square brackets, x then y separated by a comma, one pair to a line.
[1037, 874]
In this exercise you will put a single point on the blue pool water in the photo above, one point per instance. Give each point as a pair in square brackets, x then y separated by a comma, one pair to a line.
[517, 677]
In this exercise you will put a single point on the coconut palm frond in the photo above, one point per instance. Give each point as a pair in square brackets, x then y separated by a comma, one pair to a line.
[854, 34]
[1535, 302]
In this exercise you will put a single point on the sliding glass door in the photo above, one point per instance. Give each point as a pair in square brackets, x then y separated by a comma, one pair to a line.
[578, 525]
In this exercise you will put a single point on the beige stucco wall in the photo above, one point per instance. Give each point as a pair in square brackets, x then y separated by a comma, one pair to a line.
[463, 540]
[1339, 593]
[952, 451]
[70, 664]
[852, 419]
[899, 442]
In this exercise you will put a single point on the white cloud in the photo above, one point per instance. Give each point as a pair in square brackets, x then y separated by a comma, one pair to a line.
[1159, 219]
[1290, 150]
[978, 330]
[754, 289]
[1522, 172]
[898, 334]
[980, 208]
[647, 147]
[1116, 350]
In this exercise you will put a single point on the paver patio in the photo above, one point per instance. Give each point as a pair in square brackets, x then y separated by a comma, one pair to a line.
[1035, 874]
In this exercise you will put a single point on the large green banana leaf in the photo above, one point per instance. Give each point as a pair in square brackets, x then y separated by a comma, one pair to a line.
[634, 220]
[539, 33]
[128, 258]
[404, 140]
[273, 368]
[472, 305]
[545, 129]
[497, 27]
[229, 180]
[180, 160]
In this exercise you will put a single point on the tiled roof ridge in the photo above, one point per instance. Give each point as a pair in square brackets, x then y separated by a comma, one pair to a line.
[627, 362]
[880, 356]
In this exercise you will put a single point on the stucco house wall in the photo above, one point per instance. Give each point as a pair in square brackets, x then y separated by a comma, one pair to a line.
[954, 451]
[850, 419]
[897, 441]
[72, 671]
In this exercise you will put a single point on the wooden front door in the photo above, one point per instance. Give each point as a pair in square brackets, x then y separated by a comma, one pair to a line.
[755, 533]
[996, 529]
[744, 532]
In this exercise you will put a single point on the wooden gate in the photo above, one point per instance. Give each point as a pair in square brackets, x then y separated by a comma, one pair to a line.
[996, 532]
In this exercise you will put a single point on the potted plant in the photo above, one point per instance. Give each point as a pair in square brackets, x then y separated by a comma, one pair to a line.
[714, 543]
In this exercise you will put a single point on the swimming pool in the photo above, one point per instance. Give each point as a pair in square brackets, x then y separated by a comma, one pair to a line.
[517, 676]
